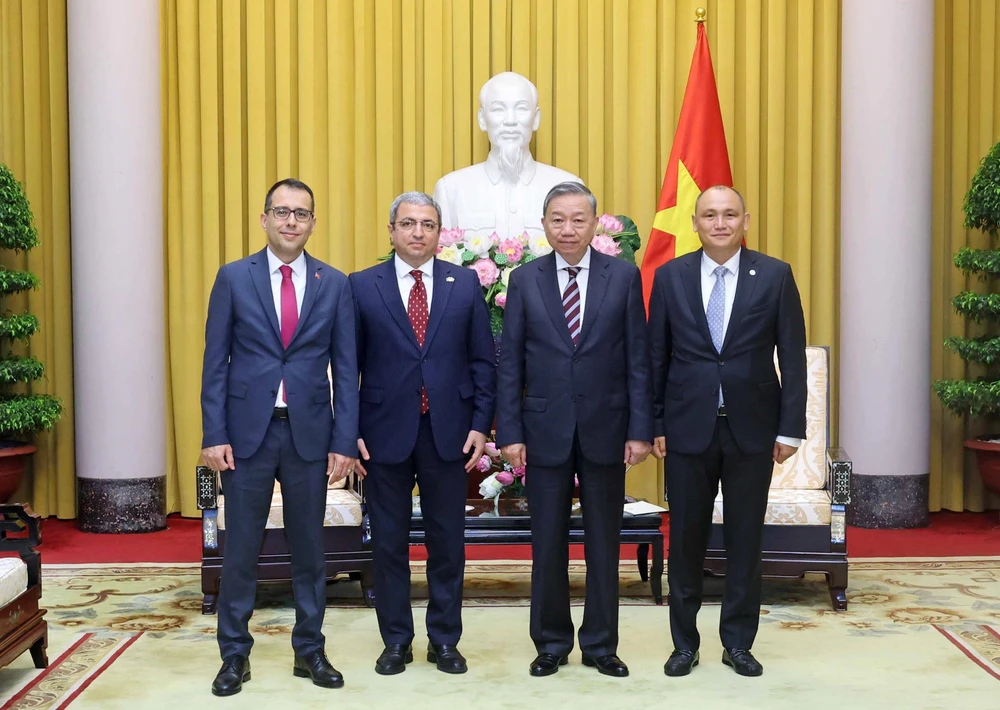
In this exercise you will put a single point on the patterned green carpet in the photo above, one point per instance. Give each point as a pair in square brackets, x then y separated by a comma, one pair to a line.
[918, 634]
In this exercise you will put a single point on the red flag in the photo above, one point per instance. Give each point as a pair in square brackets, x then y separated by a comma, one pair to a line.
[698, 160]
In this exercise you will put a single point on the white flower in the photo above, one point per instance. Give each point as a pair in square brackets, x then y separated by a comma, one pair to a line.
[539, 245]
[451, 255]
[490, 487]
[479, 245]
[505, 276]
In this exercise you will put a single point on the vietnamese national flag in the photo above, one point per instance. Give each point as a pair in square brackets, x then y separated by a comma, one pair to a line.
[698, 160]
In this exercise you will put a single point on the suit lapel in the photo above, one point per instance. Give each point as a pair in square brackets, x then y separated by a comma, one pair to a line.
[314, 273]
[548, 285]
[692, 285]
[744, 292]
[385, 279]
[439, 299]
[597, 286]
[260, 274]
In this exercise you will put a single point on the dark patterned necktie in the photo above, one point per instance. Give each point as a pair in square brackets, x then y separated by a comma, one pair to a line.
[419, 313]
[571, 304]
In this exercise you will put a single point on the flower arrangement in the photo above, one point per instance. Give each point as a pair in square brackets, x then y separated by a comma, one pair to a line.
[502, 476]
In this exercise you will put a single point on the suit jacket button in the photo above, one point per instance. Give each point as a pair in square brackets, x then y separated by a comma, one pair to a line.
[425, 359]
[576, 359]
[722, 363]
[274, 393]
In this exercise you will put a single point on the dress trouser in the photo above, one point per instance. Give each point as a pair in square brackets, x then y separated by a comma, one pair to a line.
[390, 505]
[550, 497]
[692, 485]
[248, 490]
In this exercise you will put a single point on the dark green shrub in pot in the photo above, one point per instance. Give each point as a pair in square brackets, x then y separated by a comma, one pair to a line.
[980, 397]
[21, 412]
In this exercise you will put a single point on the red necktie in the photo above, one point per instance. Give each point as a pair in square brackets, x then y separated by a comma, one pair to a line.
[289, 313]
[417, 309]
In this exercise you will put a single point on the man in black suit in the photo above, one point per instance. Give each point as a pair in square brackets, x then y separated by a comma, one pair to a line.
[716, 317]
[428, 388]
[574, 397]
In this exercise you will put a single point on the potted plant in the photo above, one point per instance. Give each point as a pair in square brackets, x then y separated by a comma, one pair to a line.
[21, 412]
[980, 397]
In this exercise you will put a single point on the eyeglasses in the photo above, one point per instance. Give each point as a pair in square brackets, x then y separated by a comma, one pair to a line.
[301, 215]
[408, 225]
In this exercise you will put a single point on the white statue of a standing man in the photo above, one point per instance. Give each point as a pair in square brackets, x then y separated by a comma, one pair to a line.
[504, 194]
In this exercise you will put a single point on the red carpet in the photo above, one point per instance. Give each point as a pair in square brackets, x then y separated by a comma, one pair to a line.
[949, 535]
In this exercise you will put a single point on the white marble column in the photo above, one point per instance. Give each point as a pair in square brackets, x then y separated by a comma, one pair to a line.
[116, 177]
[887, 95]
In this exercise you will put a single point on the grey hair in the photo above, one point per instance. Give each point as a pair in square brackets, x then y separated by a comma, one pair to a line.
[413, 197]
[507, 75]
[568, 188]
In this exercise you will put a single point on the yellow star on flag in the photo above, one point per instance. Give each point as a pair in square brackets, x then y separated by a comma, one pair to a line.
[676, 220]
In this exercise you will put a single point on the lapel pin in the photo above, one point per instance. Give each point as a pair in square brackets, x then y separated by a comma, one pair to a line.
[317, 274]
[450, 279]
[752, 273]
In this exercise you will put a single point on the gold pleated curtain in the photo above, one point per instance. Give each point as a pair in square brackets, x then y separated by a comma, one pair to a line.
[34, 144]
[364, 99]
[966, 125]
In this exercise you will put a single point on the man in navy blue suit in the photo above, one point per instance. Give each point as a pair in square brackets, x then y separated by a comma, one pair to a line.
[716, 318]
[428, 388]
[276, 321]
[574, 398]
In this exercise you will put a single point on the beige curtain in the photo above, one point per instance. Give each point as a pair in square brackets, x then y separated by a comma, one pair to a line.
[34, 143]
[365, 99]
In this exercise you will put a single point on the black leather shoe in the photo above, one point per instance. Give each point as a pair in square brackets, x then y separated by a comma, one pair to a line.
[447, 657]
[742, 661]
[680, 662]
[317, 667]
[610, 665]
[546, 664]
[394, 659]
[234, 673]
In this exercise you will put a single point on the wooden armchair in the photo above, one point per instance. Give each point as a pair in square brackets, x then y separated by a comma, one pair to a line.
[805, 527]
[346, 536]
[22, 627]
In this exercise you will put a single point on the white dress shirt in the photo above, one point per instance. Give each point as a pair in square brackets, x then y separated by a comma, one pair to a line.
[274, 265]
[708, 278]
[582, 278]
[406, 280]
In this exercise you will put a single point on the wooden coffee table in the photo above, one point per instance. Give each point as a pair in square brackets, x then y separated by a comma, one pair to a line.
[508, 523]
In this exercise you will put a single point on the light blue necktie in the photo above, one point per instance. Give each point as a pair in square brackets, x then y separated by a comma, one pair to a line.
[716, 311]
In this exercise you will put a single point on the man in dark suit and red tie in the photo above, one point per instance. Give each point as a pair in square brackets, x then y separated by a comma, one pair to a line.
[277, 320]
[716, 317]
[428, 391]
[574, 400]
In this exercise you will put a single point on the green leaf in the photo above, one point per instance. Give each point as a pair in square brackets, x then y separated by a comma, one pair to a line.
[16, 229]
[16, 281]
[20, 369]
[28, 413]
[978, 399]
[18, 327]
[982, 201]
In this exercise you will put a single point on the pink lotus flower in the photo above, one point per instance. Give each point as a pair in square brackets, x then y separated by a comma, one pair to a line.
[611, 224]
[512, 249]
[519, 471]
[495, 238]
[487, 271]
[450, 237]
[505, 478]
[576, 481]
[501, 300]
[606, 245]
[484, 464]
[492, 450]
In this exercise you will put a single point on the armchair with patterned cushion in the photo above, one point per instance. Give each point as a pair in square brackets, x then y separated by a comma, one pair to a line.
[346, 538]
[805, 528]
[22, 626]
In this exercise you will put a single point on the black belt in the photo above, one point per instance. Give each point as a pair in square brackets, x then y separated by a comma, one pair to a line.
[280, 413]
[722, 410]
